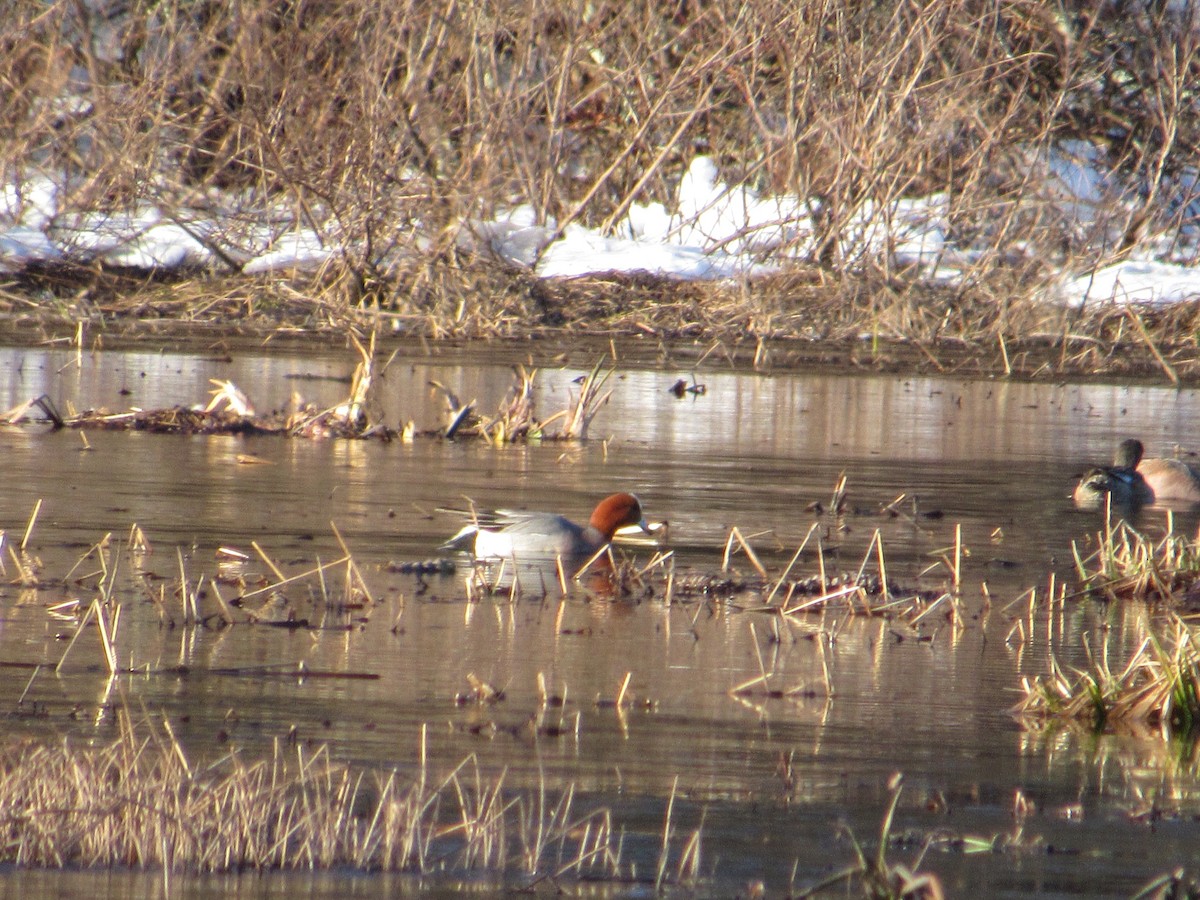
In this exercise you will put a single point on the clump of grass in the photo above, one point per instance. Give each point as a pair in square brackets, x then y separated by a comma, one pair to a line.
[516, 418]
[1129, 565]
[1157, 687]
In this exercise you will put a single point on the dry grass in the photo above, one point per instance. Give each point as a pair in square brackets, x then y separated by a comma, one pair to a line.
[331, 595]
[392, 129]
[1157, 687]
[798, 318]
[360, 415]
[912, 612]
[140, 801]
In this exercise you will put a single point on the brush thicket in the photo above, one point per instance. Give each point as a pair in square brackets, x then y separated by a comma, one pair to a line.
[394, 130]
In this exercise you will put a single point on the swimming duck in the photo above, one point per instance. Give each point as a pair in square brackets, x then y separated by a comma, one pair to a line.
[527, 535]
[1135, 481]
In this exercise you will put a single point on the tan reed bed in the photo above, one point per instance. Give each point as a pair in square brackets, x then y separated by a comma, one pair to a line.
[1157, 687]
[327, 596]
[139, 801]
[777, 322]
[811, 607]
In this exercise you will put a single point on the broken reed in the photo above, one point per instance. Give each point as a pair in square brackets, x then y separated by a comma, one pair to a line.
[867, 591]
[26, 567]
[141, 802]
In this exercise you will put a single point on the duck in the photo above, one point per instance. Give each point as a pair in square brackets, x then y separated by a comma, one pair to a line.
[1133, 480]
[530, 535]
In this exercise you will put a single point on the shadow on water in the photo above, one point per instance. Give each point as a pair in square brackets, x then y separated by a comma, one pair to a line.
[847, 700]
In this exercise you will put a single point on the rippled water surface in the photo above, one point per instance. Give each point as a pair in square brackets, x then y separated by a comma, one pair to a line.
[755, 451]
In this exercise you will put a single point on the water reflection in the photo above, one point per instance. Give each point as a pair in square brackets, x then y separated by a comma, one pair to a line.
[805, 416]
[847, 700]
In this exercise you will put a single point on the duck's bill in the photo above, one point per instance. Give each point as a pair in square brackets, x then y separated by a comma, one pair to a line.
[652, 535]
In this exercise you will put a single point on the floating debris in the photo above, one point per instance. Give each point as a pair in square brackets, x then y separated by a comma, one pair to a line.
[229, 396]
[20, 412]
[681, 388]
[230, 410]
[480, 693]
[422, 567]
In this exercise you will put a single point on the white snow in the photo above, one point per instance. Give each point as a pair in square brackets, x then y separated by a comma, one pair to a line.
[711, 214]
[20, 246]
[514, 236]
[1134, 281]
[30, 202]
[301, 249]
[139, 239]
[581, 251]
[711, 230]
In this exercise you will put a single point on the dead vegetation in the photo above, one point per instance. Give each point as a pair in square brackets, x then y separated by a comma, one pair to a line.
[140, 801]
[1157, 689]
[1128, 564]
[875, 876]
[394, 132]
[775, 322]
[360, 415]
[789, 597]
[867, 591]
[1154, 687]
[330, 595]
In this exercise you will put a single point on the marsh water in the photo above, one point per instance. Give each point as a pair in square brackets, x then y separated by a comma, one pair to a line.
[756, 451]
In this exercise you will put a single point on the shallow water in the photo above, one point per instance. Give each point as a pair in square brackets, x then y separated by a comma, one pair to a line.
[755, 451]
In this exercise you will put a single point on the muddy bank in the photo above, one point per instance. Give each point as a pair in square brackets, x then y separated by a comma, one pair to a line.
[779, 323]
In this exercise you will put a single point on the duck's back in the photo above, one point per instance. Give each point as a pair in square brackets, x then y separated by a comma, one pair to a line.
[1171, 479]
[538, 534]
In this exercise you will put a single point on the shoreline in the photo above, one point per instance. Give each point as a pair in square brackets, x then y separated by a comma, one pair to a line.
[769, 323]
